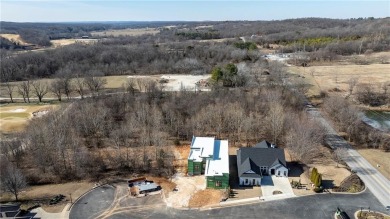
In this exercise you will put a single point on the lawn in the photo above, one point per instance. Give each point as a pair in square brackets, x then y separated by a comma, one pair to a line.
[14, 117]
[43, 193]
[376, 156]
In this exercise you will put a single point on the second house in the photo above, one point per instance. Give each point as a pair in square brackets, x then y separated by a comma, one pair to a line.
[210, 157]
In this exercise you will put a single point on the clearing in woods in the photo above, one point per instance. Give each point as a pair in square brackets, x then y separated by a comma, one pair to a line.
[15, 117]
[65, 42]
[126, 32]
[14, 38]
[174, 83]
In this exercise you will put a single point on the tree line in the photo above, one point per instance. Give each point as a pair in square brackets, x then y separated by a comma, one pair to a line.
[348, 119]
[184, 58]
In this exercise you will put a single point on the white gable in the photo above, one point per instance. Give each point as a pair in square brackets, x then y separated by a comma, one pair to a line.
[249, 171]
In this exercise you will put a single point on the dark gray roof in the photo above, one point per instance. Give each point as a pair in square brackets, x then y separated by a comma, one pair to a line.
[9, 207]
[263, 144]
[244, 165]
[252, 158]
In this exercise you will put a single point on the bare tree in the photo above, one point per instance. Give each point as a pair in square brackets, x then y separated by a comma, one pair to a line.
[95, 84]
[304, 138]
[130, 86]
[10, 89]
[24, 89]
[40, 89]
[385, 87]
[65, 80]
[67, 86]
[351, 85]
[55, 88]
[340, 154]
[275, 120]
[12, 149]
[12, 179]
[79, 84]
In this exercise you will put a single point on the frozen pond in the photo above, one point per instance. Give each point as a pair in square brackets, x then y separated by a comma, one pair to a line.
[378, 119]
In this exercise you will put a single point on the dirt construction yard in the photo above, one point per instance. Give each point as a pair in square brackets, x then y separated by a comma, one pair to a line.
[187, 187]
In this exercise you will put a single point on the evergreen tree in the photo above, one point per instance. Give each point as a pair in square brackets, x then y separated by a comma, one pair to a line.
[318, 180]
[314, 173]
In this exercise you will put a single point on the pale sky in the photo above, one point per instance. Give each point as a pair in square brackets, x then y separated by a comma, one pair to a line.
[217, 10]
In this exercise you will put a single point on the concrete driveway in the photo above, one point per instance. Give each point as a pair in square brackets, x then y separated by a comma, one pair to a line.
[270, 184]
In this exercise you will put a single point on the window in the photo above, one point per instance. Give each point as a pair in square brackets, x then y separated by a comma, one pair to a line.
[218, 183]
[196, 167]
[279, 173]
[246, 181]
[285, 173]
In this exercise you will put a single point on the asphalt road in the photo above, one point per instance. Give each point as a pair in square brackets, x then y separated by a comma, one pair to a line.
[373, 179]
[90, 205]
[310, 207]
[314, 206]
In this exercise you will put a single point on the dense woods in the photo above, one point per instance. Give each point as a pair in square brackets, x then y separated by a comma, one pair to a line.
[185, 58]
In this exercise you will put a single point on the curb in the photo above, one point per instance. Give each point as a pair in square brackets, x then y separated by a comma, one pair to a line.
[350, 193]
[357, 212]
[85, 193]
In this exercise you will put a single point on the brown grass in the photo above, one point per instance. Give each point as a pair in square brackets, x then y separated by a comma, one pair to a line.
[327, 78]
[43, 193]
[376, 156]
[205, 197]
[14, 38]
[11, 121]
[331, 172]
[65, 42]
[126, 32]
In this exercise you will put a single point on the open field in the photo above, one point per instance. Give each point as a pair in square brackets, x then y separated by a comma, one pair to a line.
[328, 78]
[14, 117]
[126, 32]
[174, 83]
[14, 38]
[65, 42]
[374, 157]
[43, 193]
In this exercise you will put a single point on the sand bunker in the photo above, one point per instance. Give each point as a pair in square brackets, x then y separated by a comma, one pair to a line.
[40, 113]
